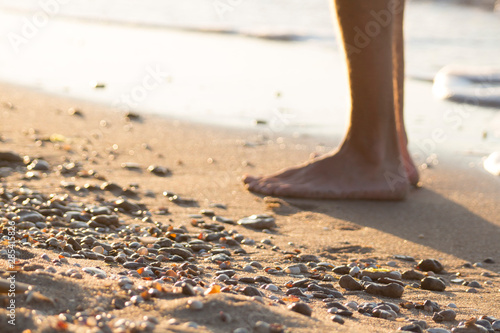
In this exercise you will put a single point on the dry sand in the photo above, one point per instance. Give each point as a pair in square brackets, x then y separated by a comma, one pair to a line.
[454, 217]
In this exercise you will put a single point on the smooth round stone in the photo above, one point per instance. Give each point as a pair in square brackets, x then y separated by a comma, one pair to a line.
[292, 270]
[248, 269]
[348, 282]
[354, 271]
[432, 265]
[393, 290]
[412, 328]
[272, 287]
[262, 327]
[432, 283]
[353, 305]
[496, 325]
[195, 304]
[191, 324]
[248, 241]
[142, 251]
[94, 271]
[301, 308]
[471, 291]
[392, 264]
[251, 291]
[438, 330]
[222, 277]
[445, 315]
[486, 324]
[452, 305]
[260, 221]
[40, 165]
[266, 241]
[474, 284]
[337, 319]
[98, 249]
[241, 330]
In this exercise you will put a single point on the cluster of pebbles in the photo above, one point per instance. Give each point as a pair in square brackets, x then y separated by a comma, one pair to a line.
[154, 260]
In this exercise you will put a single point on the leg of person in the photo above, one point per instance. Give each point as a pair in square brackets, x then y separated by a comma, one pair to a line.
[367, 165]
[398, 76]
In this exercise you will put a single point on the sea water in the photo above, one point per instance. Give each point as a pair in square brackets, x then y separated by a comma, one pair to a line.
[236, 61]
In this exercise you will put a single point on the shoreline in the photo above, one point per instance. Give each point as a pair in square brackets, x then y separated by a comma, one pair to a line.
[453, 218]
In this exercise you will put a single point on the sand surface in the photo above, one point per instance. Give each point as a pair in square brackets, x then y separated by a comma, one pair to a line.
[454, 218]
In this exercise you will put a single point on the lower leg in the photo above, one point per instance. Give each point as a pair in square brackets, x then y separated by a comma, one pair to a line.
[367, 164]
[398, 77]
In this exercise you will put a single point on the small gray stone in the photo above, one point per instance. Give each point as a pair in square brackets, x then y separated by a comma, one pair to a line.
[39, 165]
[445, 315]
[241, 330]
[259, 221]
[262, 327]
[412, 328]
[474, 284]
[337, 319]
[252, 291]
[438, 330]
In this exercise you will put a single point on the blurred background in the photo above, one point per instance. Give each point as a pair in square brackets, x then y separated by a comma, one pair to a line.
[245, 62]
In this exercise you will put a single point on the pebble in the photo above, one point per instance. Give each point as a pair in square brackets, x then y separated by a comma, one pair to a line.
[412, 275]
[353, 305]
[337, 319]
[159, 170]
[258, 221]
[262, 327]
[432, 265]
[241, 330]
[474, 284]
[471, 328]
[392, 290]
[438, 330]
[392, 264]
[248, 269]
[301, 308]
[432, 283]
[412, 328]
[445, 315]
[94, 271]
[38, 165]
[195, 304]
[272, 287]
[252, 291]
[348, 282]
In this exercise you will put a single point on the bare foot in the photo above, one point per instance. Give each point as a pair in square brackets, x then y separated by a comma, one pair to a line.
[344, 174]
